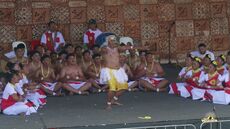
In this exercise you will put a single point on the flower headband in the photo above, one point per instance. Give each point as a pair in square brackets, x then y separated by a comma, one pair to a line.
[223, 57]
[214, 63]
[197, 59]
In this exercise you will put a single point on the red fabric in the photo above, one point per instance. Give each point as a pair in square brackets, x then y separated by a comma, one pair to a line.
[195, 76]
[91, 38]
[208, 96]
[34, 44]
[7, 102]
[154, 82]
[43, 101]
[175, 89]
[57, 40]
[29, 104]
[41, 92]
[227, 91]
[49, 44]
[227, 84]
[189, 88]
[74, 82]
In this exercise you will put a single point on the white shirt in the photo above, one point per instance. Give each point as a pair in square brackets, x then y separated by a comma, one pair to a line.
[225, 77]
[183, 71]
[12, 54]
[59, 35]
[198, 54]
[19, 85]
[8, 91]
[97, 32]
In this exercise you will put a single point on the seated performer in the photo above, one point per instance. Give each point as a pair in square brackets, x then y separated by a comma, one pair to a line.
[53, 57]
[151, 74]
[226, 79]
[211, 82]
[78, 53]
[226, 84]
[73, 78]
[190, 80]
[94, 73]
[133, 59]
[202, 51]
[205, 63]
[12, 54]
[86, 61]
[3, 69]
[19, 58]
[34, 64]
[227, 64]
[221, 69]
[46, 77]
[60, 62]
[29, 90]
[188, 67]
[95, 49]
[69, 48]
[132, 85]
[176, 88]
[41, 50]
[13, 103]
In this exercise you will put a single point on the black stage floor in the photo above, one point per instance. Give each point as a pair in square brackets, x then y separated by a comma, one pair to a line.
[76, 112]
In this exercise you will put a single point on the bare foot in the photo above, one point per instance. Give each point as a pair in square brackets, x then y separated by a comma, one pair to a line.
[99, 90]
[83, 93]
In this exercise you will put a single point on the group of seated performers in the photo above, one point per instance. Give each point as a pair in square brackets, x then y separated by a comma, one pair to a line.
[26, 80]
[205, 79]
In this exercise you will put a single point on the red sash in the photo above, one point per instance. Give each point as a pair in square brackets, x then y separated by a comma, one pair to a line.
[91, 38]
[50, 42]
[195, 76]
[212, 81]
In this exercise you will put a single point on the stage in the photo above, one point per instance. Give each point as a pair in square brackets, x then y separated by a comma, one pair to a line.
[87, 112]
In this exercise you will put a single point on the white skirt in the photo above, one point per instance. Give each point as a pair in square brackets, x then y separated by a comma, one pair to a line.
[119, 74]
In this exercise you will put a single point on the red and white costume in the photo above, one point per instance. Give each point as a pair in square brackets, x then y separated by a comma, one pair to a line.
[200, 92]
[11, 107]
[224, 97]
[184, 71]
[55, 42]
[49, 85]
[213, 92]
[222, 70]
[90, 36]
[34, 96]
[153, 80]
[76, 84]
[185, 89]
